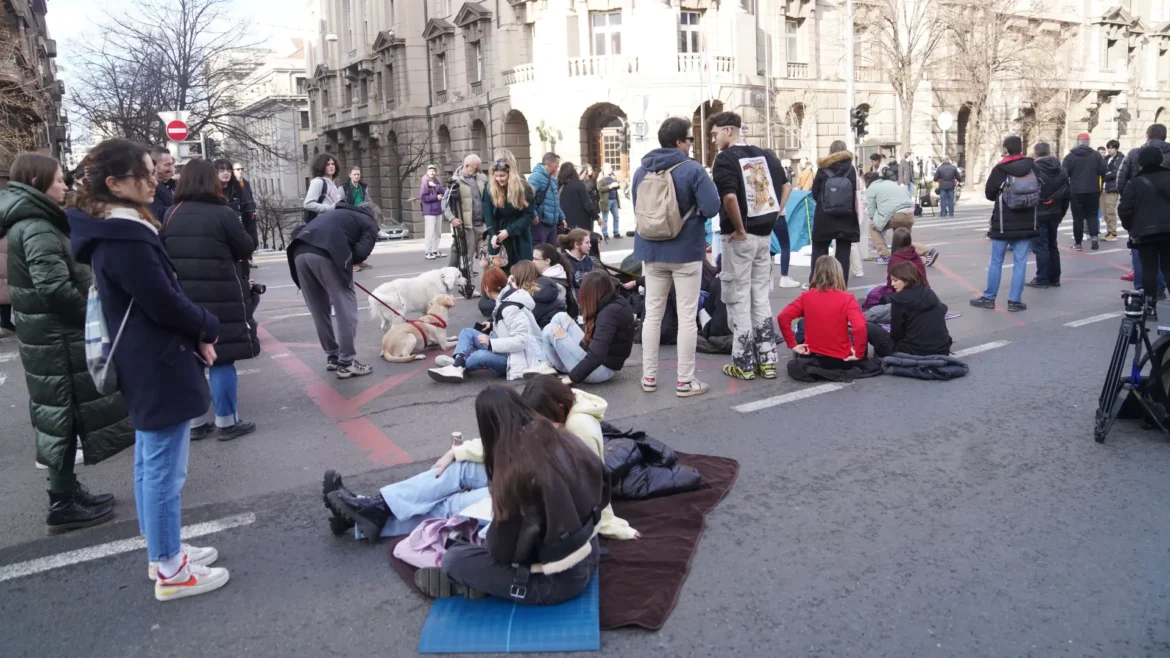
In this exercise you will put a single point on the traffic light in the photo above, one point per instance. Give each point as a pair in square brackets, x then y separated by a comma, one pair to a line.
[858, 118]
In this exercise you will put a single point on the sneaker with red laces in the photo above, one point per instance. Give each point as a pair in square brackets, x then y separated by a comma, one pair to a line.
[649, 384]
[190, 580]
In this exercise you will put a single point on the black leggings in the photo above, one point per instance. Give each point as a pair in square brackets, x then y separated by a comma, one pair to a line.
[1154, 257]
[882, 341]
[822, 249]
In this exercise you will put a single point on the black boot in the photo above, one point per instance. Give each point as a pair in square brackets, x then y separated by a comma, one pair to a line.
[84, 497]
[66, 513]
[337, 523]
[370, 514]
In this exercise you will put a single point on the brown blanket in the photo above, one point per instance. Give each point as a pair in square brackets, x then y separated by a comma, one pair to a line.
[641, 579]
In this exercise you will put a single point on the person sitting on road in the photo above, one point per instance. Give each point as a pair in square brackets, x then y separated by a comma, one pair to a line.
[555, 294]
[877, 305]
[492, 282]
[458, 479]
[595, 354]
[830, 315]
[918, 323]
[576, 245]
[513, 344]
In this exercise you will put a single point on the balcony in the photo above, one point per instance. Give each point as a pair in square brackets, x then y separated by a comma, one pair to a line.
[441, 96]
[522, 73]
[477, 88]
[866, 74]
[693, 63]
[798, 70]
[580, 67]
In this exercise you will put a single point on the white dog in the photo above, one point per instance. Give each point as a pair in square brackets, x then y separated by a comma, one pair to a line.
[412, 297]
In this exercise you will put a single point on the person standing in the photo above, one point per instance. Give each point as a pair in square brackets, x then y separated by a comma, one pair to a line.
[356, 192]
[320, 259]
[166, 343]
[430, 193]
[576, 206]
[805, 180]
[1054, 202]
[1155, 136]
[1085, 168]
[948, 177]
[1110, 195]
[609, 186]
[210, 249]
[48, 296]
[164, 173]
[889, 208]
[547, 200]
[470, 185]
[679, 260]
[323, 194]
[836, 216]
[589, 177]
[6, 326]
[509, 206]
[1015, 189]
[751, 183]
[906, 174]
[1145, 214]
[247, 203]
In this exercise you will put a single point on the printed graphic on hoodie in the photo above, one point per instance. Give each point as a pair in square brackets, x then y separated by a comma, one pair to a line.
[758, 187]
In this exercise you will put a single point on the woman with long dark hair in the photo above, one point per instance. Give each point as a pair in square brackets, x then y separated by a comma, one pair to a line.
[165, 345]
[556, 294]
[579, 209]
[508, 210]
[209, 249]
[594, 354]
[323, 194]
[918, 319]
[589, 178]
[48, 301]
[230, 188]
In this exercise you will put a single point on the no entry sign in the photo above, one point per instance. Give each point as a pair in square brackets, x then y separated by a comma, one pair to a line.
[177, 131]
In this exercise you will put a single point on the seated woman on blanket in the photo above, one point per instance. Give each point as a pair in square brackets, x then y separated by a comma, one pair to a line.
[902, 250]
[918, 323]
[830, 313]
[513, 344]
[459, 479]
[595, 354]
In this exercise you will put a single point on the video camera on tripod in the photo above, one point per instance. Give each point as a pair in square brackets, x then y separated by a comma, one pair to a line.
[1145, 394]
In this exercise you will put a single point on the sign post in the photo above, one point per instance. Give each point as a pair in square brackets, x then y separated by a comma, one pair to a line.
[177, 131]
[945, 121]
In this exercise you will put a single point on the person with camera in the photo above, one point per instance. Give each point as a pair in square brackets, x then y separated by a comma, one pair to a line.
[1145, 213]
[210, 248]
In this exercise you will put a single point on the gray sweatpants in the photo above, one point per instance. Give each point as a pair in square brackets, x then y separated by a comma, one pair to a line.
[323, 285]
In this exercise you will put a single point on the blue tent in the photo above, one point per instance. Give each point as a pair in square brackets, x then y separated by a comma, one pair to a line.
[799, 212]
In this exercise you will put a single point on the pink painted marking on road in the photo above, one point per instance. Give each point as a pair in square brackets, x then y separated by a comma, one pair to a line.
[948, 273]
[1090, 254]
[375, 391]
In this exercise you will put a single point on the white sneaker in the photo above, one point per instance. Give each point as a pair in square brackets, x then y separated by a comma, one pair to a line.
[442, 361]
[78, 460]
[539, 369]
[804, 286]
[204, 557]
[191, 580]
[450, 374]
[789, 282]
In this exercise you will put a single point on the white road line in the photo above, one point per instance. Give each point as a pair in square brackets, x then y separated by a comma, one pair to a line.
[291, 285]
[863, 287]
[8, 356]
[394, 276]
[285, 317]
[249, 371]
[788, 397]
[981, 348]
[1096, 318]
[3, 378]
[30, 567]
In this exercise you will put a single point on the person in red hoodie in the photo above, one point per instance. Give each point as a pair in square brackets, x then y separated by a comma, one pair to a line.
[829, 313]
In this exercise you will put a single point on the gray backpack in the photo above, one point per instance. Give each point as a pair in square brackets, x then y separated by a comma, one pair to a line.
[656, 213]
[1021, 192]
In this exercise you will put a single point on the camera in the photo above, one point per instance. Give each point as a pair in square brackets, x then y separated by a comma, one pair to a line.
[1135, 303]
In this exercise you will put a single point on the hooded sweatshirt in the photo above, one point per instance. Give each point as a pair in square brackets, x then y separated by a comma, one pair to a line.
[584, 422]
[918, 322]
[692, 186]
[1055, 193]
[1085, 168]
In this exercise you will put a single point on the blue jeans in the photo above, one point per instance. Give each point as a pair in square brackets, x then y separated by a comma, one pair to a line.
[565, 353]
[1137, 273]
[425, 496]
[610, 209]
[946, 202]
[160, 469]
[780, 230]
[477, 356]
[224, 394]
[1020, 249]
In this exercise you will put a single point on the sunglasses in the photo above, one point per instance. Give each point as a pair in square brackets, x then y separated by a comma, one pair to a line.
[501, 165]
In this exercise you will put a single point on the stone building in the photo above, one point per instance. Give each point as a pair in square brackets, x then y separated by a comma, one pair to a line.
[31, 117]
[398, 84]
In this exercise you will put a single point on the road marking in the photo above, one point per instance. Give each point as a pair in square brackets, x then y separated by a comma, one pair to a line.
[7, 356]
[285, 317]
[31, 567]
[291, 285]
[864, 287]
[249, 371]
[393, 276]
[788, 397]
[981, 348]
[1096, 318]
[3, 378]
[282, 355]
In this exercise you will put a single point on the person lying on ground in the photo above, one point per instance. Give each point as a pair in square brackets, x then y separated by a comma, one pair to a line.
[918, 318]
[877, 304]
[555, 294]
[512, 344]
[594, 354]
[830, 314]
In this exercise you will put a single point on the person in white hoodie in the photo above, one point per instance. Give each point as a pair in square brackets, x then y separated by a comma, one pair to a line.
[514, 344]
[459, 479]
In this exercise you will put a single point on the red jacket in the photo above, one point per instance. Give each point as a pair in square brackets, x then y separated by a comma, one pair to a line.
[825, 316]
[910, 255]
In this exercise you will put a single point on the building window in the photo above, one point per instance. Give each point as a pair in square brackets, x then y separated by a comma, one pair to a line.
[792, 41]
[611, 146]
[478, 61]
[443, 8]
[688, 32]
[304, 152]
[441, 72]
[304, 120]
[300, 86]
[607, 33]
[364, 91]
[388, 85]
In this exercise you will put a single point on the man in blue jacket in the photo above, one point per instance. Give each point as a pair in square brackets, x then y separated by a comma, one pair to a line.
[548, 200]
[678, 260]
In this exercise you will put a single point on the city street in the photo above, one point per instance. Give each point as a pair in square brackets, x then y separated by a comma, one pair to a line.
[888, 517]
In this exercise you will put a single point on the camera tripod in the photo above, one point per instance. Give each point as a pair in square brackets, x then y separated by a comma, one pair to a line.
[1145, 396]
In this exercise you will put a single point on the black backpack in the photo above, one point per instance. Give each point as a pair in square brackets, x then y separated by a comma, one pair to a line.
[837, 195]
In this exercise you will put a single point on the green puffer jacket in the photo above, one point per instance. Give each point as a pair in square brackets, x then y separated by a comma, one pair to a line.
[49, 292]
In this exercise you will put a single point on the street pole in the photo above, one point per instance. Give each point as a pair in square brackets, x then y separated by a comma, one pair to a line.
[850, 87]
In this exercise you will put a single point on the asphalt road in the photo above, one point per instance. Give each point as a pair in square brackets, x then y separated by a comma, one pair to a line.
[890, 517]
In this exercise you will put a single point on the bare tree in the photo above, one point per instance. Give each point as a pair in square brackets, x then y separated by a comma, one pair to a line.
[19, 123]
[408, 154]
[906, 35]
[274, 219]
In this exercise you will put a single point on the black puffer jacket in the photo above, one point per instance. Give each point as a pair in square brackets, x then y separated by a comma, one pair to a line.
[1085, 168]
[1112, 166]
[613, 338]
[641, 467]
[1055, 194]
[918, 322]
[1129, 167]
[1145, 207]
[829, 227]
[209, 247]
[1015, 224]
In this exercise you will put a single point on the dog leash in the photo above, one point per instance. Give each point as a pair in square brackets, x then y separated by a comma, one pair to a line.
[375, 298]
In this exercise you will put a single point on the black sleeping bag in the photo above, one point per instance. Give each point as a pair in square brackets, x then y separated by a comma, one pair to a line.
[641, 467]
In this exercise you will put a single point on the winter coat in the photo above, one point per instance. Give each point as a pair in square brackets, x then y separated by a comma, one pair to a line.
[1055, 193]
[692, 187]
[1015, 224]
[518, 224]
[553, 296]
[804, 179]
[932, 368]
[641, 467]
[164, 198]
[1145, 207]
[5, 292]
[543, 185]
[918, 322]
[1112, 165]
[48, 297]
[1085, 168]
[594, 196]
[883, 198]
[947, 176]
[346, 233]
[719, 324]
[158, 372]
[351, 193]
[613, 338]
[909, 255]
[609, 186]
[579, 210]
[431, 196]
[247, 210]
[516, 332]
[471, 195]
[207, 244]
[1129, 167]
[828, 227]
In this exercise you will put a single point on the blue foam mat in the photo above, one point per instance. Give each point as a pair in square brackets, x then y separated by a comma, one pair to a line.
[492, 625]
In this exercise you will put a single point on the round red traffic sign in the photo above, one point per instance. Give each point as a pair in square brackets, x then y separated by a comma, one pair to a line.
[177, 131]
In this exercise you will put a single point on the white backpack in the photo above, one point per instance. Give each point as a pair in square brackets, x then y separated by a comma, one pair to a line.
[656, 212]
